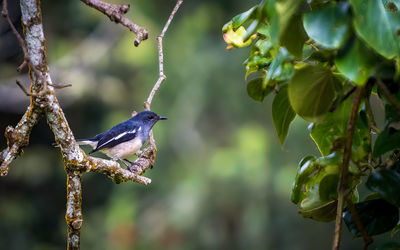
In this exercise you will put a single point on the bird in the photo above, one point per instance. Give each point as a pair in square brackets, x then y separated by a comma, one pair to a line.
[124, 139]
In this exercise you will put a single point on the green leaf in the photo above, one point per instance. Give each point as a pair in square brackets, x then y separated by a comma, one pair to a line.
[311, 92]
[280, 12]
[325, 212]
[332, 130]
[328, 26]
[388, 139]
[275, 68]
[328, 187]
[241, 18]
[282, 114]
[305, 169]
[377, 26]
[294, 37]
[386, 183]
[258, 90]
[356, 63]
[255, 63]
[377, 216]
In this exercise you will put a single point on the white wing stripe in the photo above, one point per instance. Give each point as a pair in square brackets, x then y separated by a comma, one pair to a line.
[118, 136]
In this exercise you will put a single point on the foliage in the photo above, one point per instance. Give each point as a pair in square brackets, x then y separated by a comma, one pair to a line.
[313, 55]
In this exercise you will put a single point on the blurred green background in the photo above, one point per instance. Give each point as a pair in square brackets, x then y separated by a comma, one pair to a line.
[221, 179]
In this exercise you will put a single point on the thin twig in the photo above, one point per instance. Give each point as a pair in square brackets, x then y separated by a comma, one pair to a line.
[388, 95]
[351, 91]
[21, 42]
[24, 89]
[367, 239]
[161, 77]
[60, 86]
[342, 186]
[371, 126]
[116, 13]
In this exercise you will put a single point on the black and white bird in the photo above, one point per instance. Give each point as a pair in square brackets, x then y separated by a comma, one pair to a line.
[125, 139]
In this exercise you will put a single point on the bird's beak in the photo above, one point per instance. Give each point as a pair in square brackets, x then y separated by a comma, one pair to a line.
[162, 118]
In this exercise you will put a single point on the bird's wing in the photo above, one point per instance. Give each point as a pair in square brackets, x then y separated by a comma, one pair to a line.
[121, 133]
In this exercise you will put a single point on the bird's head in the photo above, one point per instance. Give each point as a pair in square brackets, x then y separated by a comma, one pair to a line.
[148, 117]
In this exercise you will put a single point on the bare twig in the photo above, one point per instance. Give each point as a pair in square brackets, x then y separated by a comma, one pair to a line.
[367, 239]
[342, 186]
[371, 126]
[23, 88]
[21, 42]
[116, 13]
[161, 77]
[60, 86]
[388, 95]
[351, 91]
[147, 156]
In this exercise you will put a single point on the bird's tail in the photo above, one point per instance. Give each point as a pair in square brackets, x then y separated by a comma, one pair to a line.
[89, 142]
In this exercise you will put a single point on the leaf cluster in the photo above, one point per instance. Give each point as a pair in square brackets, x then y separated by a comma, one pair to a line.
[311, 56]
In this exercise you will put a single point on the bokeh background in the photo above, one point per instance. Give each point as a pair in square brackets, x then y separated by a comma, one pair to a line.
[221, 179]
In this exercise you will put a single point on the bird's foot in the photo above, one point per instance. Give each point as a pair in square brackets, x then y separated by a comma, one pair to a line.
[132, 168]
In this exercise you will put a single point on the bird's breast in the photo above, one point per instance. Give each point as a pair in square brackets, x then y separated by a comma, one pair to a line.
[123, 150]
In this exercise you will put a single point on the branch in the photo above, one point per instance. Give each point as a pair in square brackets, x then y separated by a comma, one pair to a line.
[73, 214]
[343, 176]
[21, 42]
[113, 170]
[116, 13]
[161, 77]
[367, 239]
[44, 100]
[147, 156]
[388, 95]
[18, 138]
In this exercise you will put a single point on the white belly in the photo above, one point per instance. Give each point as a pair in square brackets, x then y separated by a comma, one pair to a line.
[123, 150]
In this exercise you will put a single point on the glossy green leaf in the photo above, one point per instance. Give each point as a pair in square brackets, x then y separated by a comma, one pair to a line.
[328, 26]
[386, 183]
[282, 114]
[377, 216]
[263, 46]
[255, 63]
[388, 139]
[328, 187]
[257, 90]
[275, 68]
[355, 62]
[280, 12]
[332, 128]
[377, 26]
[311, 92]
[325, 212]
[304, 170]
[241, 18]
[331, 131]
[294, 36]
